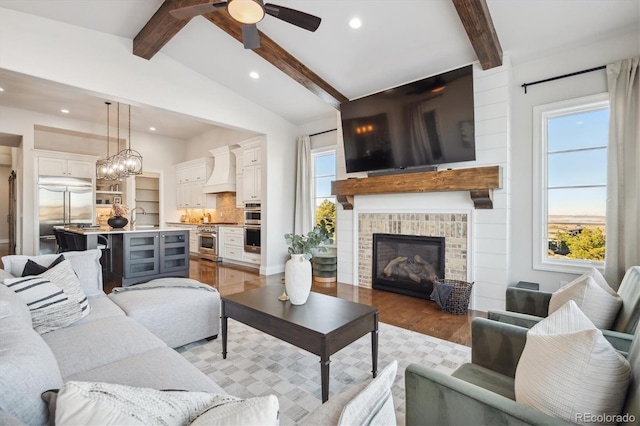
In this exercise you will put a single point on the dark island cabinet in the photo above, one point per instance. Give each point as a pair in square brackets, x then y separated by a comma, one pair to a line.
[142, 256]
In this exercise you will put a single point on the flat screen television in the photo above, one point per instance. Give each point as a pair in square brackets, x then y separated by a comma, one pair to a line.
[424, 123]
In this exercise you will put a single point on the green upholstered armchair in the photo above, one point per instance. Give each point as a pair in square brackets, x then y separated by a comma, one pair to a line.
[527, 307]
[482, 392]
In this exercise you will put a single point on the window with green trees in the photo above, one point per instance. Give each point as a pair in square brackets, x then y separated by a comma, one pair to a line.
[324, 172]
[572, 174]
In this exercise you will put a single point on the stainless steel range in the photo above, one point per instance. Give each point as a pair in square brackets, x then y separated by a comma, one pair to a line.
[208, 242]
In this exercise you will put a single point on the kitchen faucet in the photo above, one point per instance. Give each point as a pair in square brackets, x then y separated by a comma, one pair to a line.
[133, 222]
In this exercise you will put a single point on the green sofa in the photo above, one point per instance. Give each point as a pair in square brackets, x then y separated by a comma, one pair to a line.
[482, 392]
[526, 308]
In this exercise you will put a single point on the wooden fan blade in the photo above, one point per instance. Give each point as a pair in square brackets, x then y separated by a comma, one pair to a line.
[250, 36]
[198, 9]
[294, 17]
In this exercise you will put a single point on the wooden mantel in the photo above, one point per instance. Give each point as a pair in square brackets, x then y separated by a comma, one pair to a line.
[479, 181]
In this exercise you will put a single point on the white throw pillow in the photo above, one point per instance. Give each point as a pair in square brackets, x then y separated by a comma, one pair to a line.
[593, 296]
[569, 370]
[65, 277]
[259, 411]
[374, 404]
[49, 306]
[111, 404]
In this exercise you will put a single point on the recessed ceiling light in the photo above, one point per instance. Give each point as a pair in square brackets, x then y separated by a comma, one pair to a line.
[355, 23]
[1, 89]
[153, 129]
[64, 111]
[254, 75]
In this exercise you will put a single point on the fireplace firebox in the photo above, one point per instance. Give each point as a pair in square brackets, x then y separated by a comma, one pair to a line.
[407, 264]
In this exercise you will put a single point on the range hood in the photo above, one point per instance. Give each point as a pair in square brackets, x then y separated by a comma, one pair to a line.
[223, 177]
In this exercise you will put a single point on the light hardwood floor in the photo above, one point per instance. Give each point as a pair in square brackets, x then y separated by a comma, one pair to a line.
[402, 311]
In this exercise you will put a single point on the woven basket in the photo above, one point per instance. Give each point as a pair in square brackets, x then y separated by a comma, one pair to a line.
[458, 301]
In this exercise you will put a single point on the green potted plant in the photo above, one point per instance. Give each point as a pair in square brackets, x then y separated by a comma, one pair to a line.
[297, 272]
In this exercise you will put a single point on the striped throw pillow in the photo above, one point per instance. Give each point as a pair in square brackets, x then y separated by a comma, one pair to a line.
[65, 277]
[37, 292]
[50, 307]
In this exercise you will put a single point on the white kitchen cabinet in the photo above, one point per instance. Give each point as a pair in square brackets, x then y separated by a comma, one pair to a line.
[231, 243]
[251, 170]
[55, 166]
[251, 183]
[253, 258]
[239, 178]
[193, 172]
[251, 154]
[194, 241]
[192, 176]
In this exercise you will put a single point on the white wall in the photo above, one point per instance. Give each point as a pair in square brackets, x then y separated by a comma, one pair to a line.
[103, 64]
[200, 145]
[590, 56]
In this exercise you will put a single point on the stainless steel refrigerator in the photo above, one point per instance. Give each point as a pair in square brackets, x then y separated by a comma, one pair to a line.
[62, 201]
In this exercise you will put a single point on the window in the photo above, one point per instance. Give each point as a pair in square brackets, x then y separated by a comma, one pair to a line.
[324, 171]
[570, 184]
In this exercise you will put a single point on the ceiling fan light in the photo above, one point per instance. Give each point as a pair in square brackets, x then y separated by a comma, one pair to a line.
[246, 11]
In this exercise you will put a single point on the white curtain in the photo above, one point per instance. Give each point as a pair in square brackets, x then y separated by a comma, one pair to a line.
[303, 219]
[623, 170]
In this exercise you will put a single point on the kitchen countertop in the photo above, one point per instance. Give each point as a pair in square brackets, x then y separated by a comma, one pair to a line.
[106, 229]
[204, 224]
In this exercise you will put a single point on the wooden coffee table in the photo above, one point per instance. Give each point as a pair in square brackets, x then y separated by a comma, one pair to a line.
[322, 326]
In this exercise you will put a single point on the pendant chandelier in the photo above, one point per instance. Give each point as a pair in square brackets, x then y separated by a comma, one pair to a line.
[127, 162]
[104, 166]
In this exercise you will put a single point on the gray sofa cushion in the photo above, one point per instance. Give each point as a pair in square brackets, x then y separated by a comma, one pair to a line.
[92, 344]
[161, 368]
[101, 307]
[487, 379]
[12, 306]
[86, 264]
[177, 310]
[27, 366]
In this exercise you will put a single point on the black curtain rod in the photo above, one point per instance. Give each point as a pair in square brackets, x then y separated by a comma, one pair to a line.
[322, 133]
[562, 76]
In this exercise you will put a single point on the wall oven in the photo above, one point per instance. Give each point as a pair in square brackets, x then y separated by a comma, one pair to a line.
[252, 239]
[252, 213]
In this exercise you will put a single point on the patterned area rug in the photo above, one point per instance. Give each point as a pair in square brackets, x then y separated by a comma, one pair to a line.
[258, 364]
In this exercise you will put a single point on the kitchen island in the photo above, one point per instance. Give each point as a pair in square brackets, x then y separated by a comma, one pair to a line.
[139, 254]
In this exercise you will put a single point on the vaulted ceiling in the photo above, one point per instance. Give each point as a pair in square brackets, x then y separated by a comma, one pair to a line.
[474, 15]
[303, 75]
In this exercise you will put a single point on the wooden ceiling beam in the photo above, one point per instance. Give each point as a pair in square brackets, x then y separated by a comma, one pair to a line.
[161, 28]
[281, 59]
[478, 24]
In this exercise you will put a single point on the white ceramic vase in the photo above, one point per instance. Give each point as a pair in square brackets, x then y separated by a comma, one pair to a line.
[297, 279]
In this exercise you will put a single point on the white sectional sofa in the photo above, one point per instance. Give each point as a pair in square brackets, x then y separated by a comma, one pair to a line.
[105, 346]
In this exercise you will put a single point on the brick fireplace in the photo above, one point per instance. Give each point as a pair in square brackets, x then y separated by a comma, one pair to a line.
[407, 264]
[451, 226]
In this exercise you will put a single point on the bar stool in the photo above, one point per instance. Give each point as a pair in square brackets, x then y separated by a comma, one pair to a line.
[75, 242]
[60, 240]
[105, 259]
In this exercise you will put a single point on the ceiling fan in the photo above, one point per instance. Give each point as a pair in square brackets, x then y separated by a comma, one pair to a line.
[249, 13]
